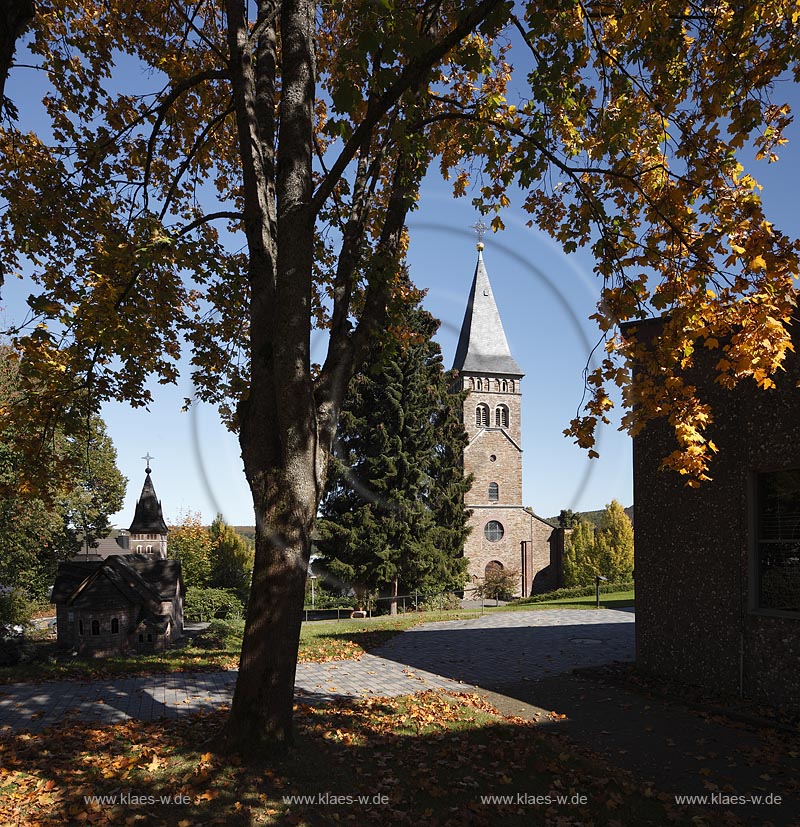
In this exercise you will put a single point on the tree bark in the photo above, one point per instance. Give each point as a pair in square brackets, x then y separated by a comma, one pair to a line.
[15, 17]
[278, 433]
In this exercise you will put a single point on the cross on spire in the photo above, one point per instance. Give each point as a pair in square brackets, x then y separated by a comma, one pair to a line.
[480, 229]
[147, 459]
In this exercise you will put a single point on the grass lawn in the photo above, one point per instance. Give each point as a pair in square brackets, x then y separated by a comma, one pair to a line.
[320, 641]
[427, 760]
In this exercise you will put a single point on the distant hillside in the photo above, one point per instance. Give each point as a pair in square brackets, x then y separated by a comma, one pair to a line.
[592, 516]
[248, 531]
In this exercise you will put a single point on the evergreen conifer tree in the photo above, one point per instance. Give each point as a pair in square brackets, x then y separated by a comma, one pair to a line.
[393, 517]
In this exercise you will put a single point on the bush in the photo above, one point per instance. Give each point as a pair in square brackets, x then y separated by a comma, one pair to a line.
[221, 634]
[447, 602]
[210, 604]
[578, 591]
[499, 584]
[16, 608]
[324, 599]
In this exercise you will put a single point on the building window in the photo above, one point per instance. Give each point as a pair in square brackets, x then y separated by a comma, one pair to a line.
[492, 565]
[494, 492]
[95, 627]
[114, 626]
[778, 540]
[501, 416]
[493, 531]
[482, 416]
[80, 627]
[511, 386]
[141, 638]
[138, 548]
[504, 386]
[149, 549]
[149, 638]
[493, 458]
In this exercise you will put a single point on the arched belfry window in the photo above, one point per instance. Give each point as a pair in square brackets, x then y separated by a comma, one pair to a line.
[482, 416]
[504, 386]
[480, 384]
[471, 383]
[511, 386]
[501, 416]
[494, 492]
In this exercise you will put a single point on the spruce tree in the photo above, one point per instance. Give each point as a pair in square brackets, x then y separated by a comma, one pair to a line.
[393, 517]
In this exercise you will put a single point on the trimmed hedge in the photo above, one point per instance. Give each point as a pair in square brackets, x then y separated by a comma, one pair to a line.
[578, 591]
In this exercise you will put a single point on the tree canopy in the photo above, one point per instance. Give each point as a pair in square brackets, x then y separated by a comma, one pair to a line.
[254, 181]
[79, 488]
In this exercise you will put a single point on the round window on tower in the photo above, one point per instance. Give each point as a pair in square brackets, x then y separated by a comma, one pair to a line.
[492, 458]
[493, 531]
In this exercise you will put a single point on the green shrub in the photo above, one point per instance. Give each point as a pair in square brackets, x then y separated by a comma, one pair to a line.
[221, 634]
[210, 604]
[324, 599]
[578, 591]
[16, 607]
[447, 602]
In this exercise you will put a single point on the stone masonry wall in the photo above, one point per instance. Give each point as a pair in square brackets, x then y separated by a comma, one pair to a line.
[696, 617]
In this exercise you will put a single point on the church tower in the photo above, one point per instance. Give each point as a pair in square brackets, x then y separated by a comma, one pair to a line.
[148, 531]
[504, 534]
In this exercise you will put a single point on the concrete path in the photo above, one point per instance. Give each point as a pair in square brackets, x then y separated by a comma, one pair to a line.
[487, 652]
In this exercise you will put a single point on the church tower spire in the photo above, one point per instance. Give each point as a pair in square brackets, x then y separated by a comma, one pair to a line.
[148, 530]
[482, 345]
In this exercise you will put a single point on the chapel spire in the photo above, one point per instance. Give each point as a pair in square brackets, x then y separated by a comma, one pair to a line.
[482, 345]
[148, 517]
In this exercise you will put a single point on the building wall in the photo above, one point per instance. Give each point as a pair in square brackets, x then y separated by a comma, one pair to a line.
[696, 617]
[494, 455]
[157, 543]
[107, 642]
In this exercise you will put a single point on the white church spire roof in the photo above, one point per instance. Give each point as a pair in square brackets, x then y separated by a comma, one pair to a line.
[482, 345]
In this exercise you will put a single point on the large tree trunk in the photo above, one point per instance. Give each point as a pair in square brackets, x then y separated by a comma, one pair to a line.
[15, 17]
[278, 422]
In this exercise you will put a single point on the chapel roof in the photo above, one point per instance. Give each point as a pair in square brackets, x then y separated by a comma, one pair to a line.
[148, 517]
[482, 345]
[136, 579]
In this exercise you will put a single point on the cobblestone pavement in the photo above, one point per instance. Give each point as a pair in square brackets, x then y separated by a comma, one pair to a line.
[486, 652]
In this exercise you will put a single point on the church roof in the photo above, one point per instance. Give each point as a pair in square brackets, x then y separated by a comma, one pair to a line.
[482, 345]
[148, 517]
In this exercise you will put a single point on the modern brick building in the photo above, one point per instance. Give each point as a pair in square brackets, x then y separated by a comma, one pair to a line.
[718, 568]
[504, 533]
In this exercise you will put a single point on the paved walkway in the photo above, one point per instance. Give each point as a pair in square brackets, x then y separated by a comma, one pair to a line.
[487, 652]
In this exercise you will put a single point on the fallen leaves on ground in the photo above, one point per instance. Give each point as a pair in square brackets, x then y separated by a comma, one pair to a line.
[424, 760]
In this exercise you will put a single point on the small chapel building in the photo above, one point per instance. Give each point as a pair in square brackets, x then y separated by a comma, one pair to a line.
[117, 602]
[504, 533]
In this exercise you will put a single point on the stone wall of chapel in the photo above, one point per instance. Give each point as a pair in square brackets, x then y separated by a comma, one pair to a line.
[506, 470]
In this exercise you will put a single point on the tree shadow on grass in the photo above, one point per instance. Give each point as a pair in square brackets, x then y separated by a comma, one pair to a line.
[425, 760]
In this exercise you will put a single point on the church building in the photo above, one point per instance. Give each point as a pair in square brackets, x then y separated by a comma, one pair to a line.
[504, 534]
[123, 595]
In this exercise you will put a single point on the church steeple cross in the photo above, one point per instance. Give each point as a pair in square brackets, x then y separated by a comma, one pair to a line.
[147, 459]
[480, 230]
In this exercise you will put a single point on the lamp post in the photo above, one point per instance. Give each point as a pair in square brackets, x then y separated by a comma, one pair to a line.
[313, 578]
[597, 588]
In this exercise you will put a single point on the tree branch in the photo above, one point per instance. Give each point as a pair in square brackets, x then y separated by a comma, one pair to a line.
[409, 77]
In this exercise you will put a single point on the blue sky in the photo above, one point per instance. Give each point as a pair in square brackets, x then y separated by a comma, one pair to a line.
[544, 298]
